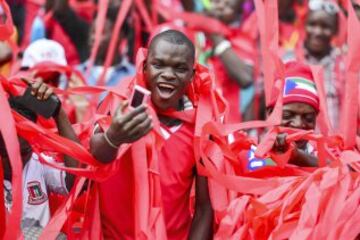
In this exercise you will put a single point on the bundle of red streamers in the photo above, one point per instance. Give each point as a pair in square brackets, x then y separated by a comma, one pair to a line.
[275, 203]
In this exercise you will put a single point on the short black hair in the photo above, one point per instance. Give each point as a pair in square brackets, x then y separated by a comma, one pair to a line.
[176, 37]
[19, 108]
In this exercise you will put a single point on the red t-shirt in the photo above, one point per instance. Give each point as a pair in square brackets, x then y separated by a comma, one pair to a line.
[177, 164]
[176, 167]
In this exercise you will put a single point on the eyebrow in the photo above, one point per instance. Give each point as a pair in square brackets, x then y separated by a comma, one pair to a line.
[184, 63]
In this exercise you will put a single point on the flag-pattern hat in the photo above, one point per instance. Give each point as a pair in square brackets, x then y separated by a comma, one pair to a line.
[299, 85]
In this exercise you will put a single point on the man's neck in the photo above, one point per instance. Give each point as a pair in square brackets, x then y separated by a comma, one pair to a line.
[170, 121]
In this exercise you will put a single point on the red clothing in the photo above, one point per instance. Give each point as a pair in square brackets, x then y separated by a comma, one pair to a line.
[176, 177]
[136, 203]
[117, 202]
[290, 35]
[57, 33]
[245, 48]
[177, 164]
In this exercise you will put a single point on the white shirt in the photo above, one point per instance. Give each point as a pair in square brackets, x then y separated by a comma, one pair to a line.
[38, 180]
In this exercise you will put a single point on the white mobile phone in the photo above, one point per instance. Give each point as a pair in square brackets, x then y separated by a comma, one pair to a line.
[139, 96]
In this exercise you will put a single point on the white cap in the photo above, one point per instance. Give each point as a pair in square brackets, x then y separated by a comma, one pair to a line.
[44, 50]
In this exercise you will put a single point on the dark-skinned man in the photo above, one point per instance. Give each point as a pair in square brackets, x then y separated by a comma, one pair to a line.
[168, 71]
[300, 110]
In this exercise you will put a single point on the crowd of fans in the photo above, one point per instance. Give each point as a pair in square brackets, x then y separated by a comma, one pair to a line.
[203, 62]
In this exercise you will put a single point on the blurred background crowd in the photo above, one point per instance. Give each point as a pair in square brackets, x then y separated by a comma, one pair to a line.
[65, 32]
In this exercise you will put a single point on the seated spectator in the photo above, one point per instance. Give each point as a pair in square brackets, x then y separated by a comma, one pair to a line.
[38, 178]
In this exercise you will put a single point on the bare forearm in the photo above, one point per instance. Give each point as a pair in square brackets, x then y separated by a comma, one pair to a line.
[202, 224]
[101, 150]
[125, 128]
[65, 130]
[237, 69]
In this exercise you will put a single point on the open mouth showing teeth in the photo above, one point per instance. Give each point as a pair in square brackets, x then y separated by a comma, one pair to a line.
[166, 88]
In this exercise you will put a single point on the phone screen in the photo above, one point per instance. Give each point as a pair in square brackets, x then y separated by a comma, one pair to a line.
[137, 99]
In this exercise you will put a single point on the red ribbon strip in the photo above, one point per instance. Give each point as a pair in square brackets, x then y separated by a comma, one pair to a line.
[6, 29]
[350, 113]
[123, 11]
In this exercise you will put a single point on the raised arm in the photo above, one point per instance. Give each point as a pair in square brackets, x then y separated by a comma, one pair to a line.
[42, 92]
[237, 69]
[126, 127]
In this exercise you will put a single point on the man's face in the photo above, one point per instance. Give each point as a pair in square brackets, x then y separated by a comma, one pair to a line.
[320, 29]
[168, 71]
[300, 116]
[226, 11]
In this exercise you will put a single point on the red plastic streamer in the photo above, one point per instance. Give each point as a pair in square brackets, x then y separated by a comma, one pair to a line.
[8, 131]
[99, 29]
[350, 113]
[7, 28]
[123, 11]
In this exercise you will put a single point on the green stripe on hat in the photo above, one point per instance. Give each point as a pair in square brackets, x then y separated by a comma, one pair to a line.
[303, 81]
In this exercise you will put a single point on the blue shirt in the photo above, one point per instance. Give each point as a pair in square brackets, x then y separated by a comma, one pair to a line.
[114, 74]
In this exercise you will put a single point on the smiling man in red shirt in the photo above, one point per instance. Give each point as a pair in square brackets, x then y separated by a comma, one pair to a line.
[168, 72]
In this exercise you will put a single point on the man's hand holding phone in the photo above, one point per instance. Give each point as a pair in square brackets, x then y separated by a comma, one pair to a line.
[130, 123]
[129, 126]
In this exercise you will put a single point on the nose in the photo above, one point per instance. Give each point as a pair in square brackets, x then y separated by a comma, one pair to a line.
[317, 31]
[297, 122]
[168, 74]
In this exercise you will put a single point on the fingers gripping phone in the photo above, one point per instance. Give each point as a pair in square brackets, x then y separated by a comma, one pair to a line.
[46, 108]
[139, 96]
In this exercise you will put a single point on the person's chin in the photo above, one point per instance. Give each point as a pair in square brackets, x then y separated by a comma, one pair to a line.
[317, 46]
[162, 105]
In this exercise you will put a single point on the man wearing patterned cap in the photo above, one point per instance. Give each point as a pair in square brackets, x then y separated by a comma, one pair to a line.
[300, 109]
